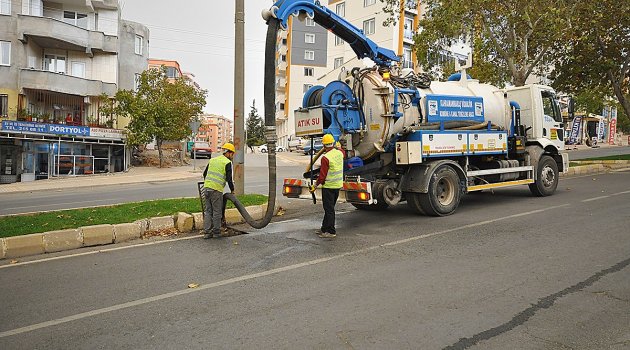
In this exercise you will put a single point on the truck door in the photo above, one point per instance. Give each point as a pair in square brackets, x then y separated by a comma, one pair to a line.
[553, 129]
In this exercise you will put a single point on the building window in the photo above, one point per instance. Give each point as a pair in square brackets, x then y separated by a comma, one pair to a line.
[139, 44]
[33, 7]
[338, 41]
[309, 55]
[307, 87]
[367, 3]
[172, 73]
[4, 105]
[340, 9]
[308, 72]
[338, 62]
[5, 7]
[369, 26]
[5, 53]
[78, 69]
[408, 31]
[55, 64]
[309, 38]
[75, 18]
[406, 59]
[310, 22]
[136, 82]
[283, 58]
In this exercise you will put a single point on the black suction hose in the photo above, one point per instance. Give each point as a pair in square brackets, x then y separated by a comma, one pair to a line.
[270, 128]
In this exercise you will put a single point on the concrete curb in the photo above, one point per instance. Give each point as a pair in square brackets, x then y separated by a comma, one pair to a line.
[86, 236]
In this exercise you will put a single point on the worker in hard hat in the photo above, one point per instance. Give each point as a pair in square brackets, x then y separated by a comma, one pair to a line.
[331, 180]
[218, 172]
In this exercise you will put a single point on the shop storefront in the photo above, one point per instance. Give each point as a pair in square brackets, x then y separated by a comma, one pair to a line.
[34, 151]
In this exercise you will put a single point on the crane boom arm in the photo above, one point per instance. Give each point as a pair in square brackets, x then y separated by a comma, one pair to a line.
[358, 41]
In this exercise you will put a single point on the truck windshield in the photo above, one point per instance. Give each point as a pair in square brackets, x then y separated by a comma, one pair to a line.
[550, 106]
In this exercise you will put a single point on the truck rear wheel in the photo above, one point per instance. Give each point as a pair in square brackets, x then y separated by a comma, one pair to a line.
[547, 177]
[443, 194]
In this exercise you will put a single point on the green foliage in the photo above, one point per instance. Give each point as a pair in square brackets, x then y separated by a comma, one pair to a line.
[160, 110]
[511, 38]
[596, 56]
[255, 127]
[116, 214]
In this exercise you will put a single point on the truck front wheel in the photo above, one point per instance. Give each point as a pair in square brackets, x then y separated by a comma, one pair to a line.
[443, 194]
[547, 177]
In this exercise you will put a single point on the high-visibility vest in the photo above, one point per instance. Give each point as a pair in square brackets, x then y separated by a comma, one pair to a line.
[334, 178]
[215, 177]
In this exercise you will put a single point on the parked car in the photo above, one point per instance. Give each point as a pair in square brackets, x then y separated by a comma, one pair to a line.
[317, 145]
[296, 143]
[263, 148]
[201, 150]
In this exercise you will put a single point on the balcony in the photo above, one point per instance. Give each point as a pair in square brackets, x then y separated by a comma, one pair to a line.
[280, 115]
[42, 80]
[282, 66]
[52, 33]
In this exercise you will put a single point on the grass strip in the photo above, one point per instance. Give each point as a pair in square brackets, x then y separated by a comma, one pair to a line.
[615, 157]
[115, 214]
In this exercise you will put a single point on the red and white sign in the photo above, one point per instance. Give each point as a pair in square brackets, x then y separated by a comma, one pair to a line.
[613, 125]
[309, 123]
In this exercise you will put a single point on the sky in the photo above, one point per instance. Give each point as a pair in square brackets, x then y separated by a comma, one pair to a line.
[199, 34]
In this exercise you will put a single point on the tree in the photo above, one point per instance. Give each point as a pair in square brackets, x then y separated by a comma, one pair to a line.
[512, 38]
[597, 54]
[160, 110]
[255, 127]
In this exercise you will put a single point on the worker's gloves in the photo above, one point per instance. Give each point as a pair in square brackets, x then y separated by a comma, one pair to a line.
[311, 188]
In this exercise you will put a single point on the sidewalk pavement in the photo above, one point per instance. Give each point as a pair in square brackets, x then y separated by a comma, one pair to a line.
[133, 175]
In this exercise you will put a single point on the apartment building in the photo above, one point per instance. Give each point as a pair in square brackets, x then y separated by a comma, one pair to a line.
[302, 57]
[215, 130]
[57, 58]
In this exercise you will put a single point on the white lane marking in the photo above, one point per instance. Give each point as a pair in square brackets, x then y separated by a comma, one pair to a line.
[284, 221]
[594, 199]
[344, 212]
[252, 276]
[54, 204]
[620, 193]
[98, 251]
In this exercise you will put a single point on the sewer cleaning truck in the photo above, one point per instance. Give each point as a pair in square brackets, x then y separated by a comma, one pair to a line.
[426, 143]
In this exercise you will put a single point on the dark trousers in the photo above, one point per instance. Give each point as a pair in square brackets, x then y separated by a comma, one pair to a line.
[329, 199]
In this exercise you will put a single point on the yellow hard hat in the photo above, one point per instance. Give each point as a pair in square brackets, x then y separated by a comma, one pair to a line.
[328, 139]
[229, 147]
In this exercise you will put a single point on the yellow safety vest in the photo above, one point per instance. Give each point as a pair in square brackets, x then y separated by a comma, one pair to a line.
[334, 178]
[215, 177]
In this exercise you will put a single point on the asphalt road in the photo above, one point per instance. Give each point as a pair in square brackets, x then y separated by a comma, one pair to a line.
[506, 271]
[597, 152]
[256, 175]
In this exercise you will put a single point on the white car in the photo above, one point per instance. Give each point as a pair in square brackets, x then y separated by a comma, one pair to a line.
[263, 148]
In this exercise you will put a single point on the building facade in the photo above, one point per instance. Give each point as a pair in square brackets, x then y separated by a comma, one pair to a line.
[301, 59]
[215, 130]
[60, 60]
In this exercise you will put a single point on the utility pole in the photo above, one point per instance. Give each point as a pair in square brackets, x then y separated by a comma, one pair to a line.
[239, 97]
